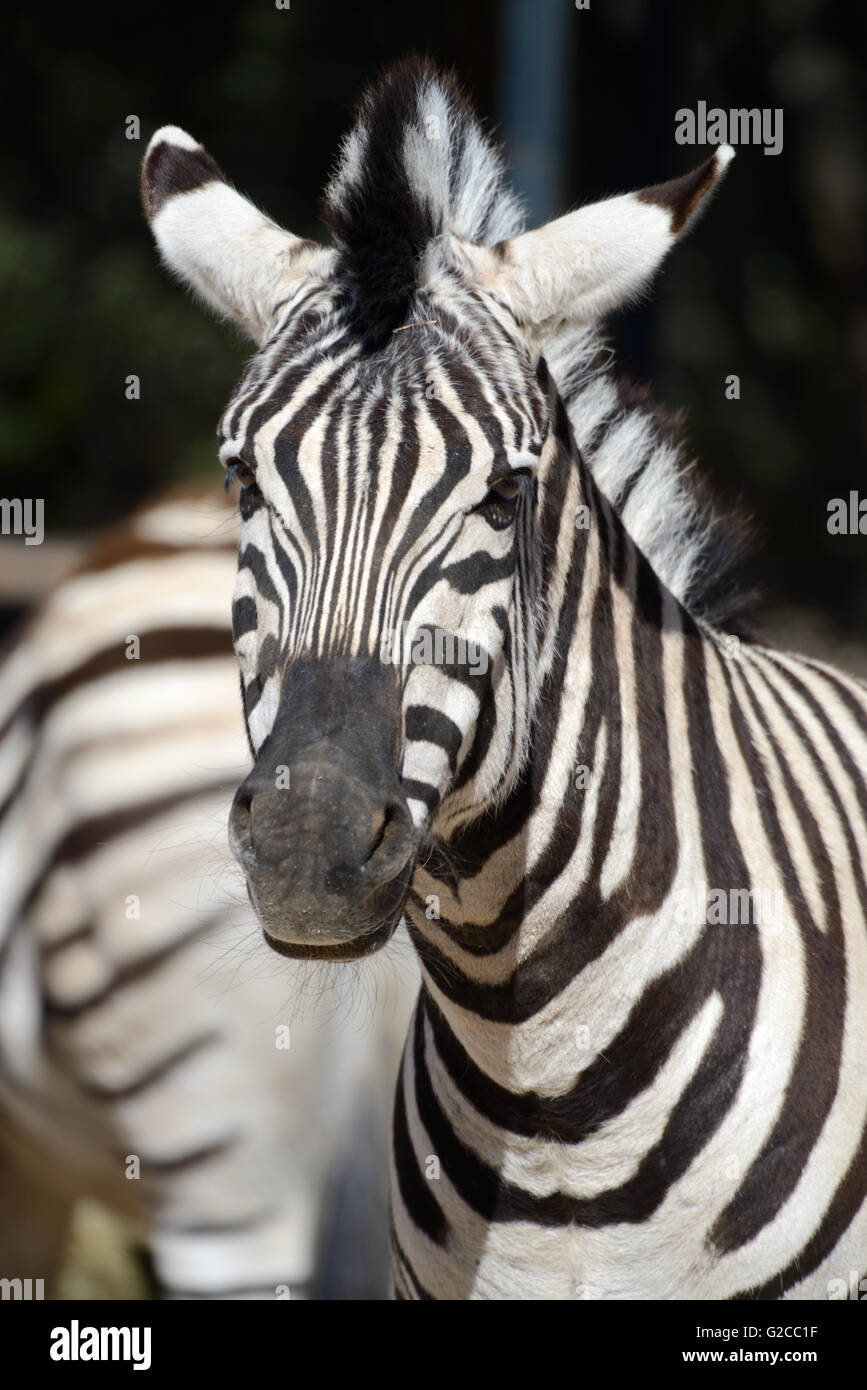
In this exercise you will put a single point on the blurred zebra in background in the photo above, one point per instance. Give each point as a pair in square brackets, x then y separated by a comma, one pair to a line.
[152, 1050]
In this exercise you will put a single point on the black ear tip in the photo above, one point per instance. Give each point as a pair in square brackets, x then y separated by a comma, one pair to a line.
[174, 164]
[683, 196]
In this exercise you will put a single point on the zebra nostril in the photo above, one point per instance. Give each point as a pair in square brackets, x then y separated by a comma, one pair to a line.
[379, 836]
[389, 843]
[240, 836]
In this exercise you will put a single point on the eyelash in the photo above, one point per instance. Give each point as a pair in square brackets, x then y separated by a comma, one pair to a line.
[238, 471]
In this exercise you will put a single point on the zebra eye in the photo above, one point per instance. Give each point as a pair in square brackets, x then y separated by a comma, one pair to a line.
[237, 471]
[500, 506]
[507, 489]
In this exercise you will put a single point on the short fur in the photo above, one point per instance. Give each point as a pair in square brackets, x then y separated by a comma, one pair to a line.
[416, 165]
[627, 1095]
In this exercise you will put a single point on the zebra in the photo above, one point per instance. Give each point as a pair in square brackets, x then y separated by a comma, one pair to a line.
[612, 1087]
[150, 1054]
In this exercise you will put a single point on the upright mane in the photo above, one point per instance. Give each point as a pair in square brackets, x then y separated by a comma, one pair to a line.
[417, 165]
[636, 453]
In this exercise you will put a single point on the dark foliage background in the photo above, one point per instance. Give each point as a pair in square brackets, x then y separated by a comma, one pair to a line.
[771, 286]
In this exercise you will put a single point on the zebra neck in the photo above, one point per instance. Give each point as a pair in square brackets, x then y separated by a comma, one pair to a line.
[514, 923]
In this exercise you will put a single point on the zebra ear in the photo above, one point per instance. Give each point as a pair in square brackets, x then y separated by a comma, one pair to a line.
[214, 239]
[591, 261]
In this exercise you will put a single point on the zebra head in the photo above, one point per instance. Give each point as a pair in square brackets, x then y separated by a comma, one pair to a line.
[399, 442]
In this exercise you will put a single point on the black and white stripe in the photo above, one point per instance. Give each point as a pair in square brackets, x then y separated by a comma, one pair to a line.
[606, 1092]
[155, 1035]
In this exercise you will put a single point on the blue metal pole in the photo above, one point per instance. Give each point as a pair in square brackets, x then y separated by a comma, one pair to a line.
[535, 74]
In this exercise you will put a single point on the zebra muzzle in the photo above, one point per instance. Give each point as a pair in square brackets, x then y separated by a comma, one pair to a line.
[321, 827]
